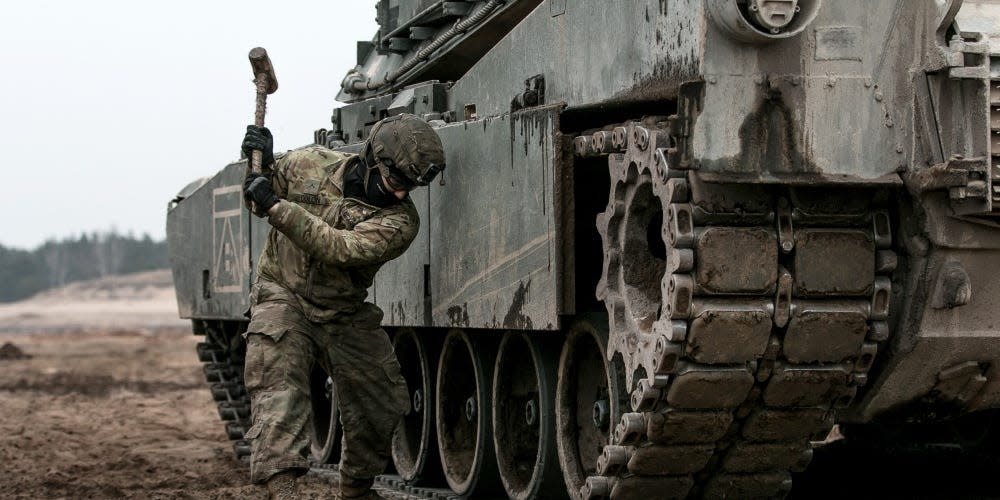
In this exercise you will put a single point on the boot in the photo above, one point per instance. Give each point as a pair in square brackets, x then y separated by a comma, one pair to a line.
[283, 486]
[357, 489]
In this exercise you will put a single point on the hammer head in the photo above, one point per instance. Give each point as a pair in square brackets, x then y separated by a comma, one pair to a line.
[262, 68]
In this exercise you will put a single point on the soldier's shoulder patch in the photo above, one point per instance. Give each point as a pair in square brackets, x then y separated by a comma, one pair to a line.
[311, 185]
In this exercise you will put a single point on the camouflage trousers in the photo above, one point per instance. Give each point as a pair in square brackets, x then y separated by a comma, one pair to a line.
[282, 350]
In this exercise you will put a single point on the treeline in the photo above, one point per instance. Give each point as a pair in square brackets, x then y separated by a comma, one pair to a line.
[24, 273]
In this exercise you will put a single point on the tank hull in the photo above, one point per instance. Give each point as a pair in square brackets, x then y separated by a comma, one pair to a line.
[769, 221]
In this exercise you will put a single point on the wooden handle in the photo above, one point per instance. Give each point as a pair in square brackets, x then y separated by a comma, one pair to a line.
[266, 83]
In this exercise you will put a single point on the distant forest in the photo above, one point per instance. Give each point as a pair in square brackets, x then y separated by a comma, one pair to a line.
[56, 263]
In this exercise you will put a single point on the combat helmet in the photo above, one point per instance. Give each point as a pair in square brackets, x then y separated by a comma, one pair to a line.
[405, 149]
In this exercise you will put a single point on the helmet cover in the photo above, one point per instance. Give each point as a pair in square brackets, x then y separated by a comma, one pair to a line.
[406, 149]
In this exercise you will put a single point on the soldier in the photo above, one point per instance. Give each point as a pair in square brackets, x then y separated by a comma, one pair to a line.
[336, 219]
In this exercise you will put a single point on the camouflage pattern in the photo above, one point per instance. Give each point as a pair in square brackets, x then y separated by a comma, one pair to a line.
[327, 248]
[308, 307]
[357, 353]
[408, 143]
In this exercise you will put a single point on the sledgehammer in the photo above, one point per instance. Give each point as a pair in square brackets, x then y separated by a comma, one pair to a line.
[267, 83]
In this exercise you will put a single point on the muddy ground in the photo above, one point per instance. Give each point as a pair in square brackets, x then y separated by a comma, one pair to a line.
[115, 414]
[126, 413]
[102, 396]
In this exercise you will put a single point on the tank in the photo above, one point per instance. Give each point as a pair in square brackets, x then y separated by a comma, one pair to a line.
[675, 244]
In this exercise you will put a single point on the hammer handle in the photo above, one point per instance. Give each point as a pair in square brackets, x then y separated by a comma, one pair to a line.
[267, 83]
[256, 157]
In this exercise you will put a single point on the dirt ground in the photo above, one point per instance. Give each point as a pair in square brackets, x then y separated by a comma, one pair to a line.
[112, 415]
[102, 396]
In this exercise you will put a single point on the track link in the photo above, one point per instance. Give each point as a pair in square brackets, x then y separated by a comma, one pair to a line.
[222, 356]
[741, 332]
[391, 482]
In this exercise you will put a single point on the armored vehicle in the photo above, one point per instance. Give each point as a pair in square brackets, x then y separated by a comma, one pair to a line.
[677, 241]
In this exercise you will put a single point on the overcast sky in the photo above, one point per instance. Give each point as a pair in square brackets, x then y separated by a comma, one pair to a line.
[108, 108]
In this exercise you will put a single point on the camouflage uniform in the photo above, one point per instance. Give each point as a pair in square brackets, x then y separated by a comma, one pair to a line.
[308, 307]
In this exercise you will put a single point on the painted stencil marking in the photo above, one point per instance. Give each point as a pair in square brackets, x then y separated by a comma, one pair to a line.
[227, 240]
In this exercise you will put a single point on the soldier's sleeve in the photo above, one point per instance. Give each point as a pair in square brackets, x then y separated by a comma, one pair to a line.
[279, 175]
[370, 242]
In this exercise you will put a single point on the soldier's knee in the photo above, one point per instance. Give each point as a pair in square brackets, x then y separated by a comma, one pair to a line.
[262, 366]
[275, 364]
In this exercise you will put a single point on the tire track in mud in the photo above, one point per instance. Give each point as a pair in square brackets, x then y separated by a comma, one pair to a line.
[94, 385]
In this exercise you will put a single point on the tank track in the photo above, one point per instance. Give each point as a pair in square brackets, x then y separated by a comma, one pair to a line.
[222, 355]
[392, 482]
[742, 317]
[744, 333]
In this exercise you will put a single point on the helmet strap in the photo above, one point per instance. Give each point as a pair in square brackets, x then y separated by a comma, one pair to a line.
[368, 173]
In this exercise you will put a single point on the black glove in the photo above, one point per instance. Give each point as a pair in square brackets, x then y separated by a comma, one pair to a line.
[259, 139]
[258, 189]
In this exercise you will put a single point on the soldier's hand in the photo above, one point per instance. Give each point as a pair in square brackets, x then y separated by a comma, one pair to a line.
[259, 139]
[258, 189]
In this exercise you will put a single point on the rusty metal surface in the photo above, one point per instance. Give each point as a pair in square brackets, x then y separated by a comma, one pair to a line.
[788, 99]
[401, 287]
[833, 262]
[737, 260]
[640, 51]
[493, 240]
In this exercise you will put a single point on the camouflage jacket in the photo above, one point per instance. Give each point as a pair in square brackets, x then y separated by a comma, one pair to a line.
[324, 250]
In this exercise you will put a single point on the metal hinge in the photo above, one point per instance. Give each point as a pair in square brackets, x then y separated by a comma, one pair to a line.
[967, 181]
[968, 58]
